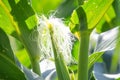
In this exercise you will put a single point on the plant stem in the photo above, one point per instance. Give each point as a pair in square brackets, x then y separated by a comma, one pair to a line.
[35, 66]
[83, 56]
[61, 68]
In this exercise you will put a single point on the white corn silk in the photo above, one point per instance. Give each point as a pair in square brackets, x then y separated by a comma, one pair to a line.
[61, 34]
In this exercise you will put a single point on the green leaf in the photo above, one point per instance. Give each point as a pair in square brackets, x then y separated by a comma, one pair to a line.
[8, 68]
[94, 9]
[5, 47]
[105, 43]
[23, 57]
[93, 58]
[19, 51]
[115, 57]
[75, 50]
[9, 64]
[107, 22]
[61, 68]
[66, 8]
[44, 6]
[22, 24]
[5, 22]
[116, 6]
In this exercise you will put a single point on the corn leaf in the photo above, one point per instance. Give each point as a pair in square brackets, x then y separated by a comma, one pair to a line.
[5, 22]
[8, 68]
[44, 6]
[23, 19]
[94, 9]
[93, 58]
[5, 47]
[66, 8]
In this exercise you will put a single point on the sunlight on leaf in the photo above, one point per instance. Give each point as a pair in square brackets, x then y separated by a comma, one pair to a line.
[5, 22]
[94, 11]
[44, 6]
[107, 22]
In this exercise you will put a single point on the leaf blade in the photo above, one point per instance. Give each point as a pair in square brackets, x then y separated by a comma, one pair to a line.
[94, 10]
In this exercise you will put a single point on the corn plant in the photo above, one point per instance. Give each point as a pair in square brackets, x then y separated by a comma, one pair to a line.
[78, 40]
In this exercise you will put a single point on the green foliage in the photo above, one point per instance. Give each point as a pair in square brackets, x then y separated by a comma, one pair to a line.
[66, 7]
[8, 69]
[7, 61]
[4, 18]
[75, 49]
[94, 11]
[44, 6]
[19, 19]
[5, 46]
[115, 57]
[94, 58]
[19, 22]
[23, 57]
[116, 6]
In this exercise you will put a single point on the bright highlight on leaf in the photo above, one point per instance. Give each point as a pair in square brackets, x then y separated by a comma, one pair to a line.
[94, 9]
